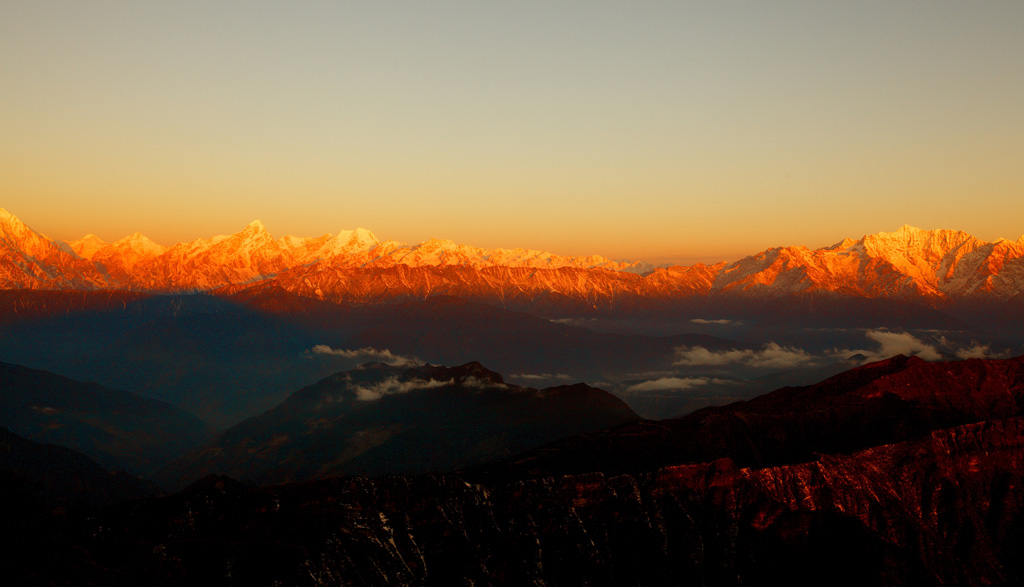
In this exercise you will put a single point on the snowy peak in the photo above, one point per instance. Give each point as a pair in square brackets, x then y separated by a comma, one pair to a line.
[6, 217]
[29, 260]
[87, 246]
[139, 243]
[9, 223]
[345, 244]
[11, 227]
[907, 263]
[254, 227]
[254, 231]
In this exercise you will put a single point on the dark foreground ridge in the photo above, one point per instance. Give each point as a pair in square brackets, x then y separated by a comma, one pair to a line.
[912, 498]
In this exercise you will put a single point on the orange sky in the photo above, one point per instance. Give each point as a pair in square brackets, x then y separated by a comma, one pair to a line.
[664, 131]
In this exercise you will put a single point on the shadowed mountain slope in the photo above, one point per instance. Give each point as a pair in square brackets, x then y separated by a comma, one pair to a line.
[38, 476]
[379, 419]
[120, 430]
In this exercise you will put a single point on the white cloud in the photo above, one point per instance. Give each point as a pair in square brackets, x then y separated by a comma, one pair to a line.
[903, 343]
[674, 384]
[393, 386]
[367, 353]
[891, 344]
[770, 356]
[665, 383]
[478, 383]
[716, 321]
[573, 321]
[540, 376]
[978, 351]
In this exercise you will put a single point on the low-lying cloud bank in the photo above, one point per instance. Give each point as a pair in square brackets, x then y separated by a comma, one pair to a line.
[540, 376]
[770, 356]
[891, 344]
[722, 321]
[673, 384]
[393, 386]
[367, 354]
[886, 344]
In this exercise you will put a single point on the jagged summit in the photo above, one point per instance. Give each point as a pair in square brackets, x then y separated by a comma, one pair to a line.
[87, 246]
[254, 226]
[10, 224]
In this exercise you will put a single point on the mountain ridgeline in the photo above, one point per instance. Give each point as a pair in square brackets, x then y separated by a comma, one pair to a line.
[934, 266]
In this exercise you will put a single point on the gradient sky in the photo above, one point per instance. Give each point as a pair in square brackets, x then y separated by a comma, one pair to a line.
[643, 130]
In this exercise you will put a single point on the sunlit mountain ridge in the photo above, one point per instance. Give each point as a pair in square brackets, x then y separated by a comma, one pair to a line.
[356, 266]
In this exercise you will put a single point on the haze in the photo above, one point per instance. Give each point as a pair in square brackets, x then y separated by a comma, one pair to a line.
[659, 131]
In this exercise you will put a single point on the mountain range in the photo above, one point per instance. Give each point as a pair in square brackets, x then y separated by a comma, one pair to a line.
[934, 266]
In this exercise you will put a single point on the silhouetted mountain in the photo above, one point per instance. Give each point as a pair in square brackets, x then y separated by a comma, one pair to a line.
[381, 419]
[120, 430]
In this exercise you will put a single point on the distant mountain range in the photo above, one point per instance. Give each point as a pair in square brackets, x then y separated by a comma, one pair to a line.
[354, 266]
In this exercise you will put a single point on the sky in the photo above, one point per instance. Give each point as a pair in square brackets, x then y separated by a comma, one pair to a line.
[659, 131]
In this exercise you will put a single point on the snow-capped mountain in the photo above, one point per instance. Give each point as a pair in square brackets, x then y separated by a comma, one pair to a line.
[907, 263]
[29, 260]
[135, 262]
[356, 266]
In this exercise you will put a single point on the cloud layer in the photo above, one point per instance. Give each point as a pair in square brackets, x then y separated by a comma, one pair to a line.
[891, 344]
[721, 321]
[540, 376]
[393, 386]
[367, 354]
[770, 356]
[673, 384]
[886, 344]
